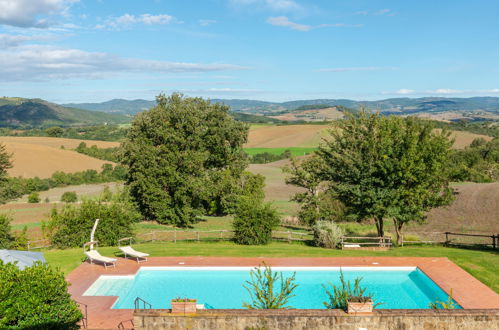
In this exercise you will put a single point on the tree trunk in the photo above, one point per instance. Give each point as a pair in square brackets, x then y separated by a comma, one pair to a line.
[379, 226]
[398, 230]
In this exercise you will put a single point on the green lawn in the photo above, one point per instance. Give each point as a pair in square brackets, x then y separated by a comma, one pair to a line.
[484, 265]
[295, 151]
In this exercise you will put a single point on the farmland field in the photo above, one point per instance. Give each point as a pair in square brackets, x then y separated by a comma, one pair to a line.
[286, 136]
[295, 151]
[43, 156]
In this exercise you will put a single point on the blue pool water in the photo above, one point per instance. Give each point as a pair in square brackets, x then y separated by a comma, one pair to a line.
[396, 288]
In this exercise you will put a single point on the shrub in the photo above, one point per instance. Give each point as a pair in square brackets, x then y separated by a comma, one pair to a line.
[71, 226]
[34, 197]
[254, 221]
[264, 291]
[69, 197]
[36, 298]
[5, 236]
[327, 234]
[21, 239]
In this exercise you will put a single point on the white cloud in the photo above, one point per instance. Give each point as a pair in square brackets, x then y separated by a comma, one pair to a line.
[206, 22]
[405, 91]
[127, 20]
[445, 91]
[442, 91]
[31, 13]
[368, 68]
[37, 62]
[14, 40]
[277, 5]
[285, 22]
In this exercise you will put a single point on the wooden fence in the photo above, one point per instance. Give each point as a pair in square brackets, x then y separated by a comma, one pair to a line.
[445, 238]
[213, 235]
[365, 241]
[449, 238]
[477, 239]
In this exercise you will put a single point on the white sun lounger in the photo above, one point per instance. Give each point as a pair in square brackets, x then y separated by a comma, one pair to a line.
[128, 250]
[94, 255]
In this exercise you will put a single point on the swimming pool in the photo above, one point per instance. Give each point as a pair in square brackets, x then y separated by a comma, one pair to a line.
[222, 287]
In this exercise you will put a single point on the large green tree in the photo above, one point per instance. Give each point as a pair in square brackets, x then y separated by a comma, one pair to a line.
[182, 156]
[387, 167]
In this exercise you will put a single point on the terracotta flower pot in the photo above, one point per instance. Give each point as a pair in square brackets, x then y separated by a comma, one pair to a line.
[360, 307]
[183, 307]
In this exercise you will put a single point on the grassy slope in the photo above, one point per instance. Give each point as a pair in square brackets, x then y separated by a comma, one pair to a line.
[484, 265]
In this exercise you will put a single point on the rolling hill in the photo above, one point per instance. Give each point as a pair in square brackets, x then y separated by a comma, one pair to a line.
[473, 108]
[21, 112]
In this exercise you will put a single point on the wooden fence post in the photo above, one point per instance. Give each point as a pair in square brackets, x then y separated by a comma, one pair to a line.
[447, 237]
[197, 236]
[221, 234]
[154, 236]
[175, 236]
[289, 236]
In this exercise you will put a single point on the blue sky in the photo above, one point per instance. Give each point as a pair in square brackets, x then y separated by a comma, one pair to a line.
[96, 50]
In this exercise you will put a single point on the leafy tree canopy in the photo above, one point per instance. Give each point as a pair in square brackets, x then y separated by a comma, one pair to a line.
[179, 153]
[386, 167]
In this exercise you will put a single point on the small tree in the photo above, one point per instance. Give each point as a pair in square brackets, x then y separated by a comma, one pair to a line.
[34, 197]
[54, 131]
[21, 239]
[315, 202]
[254, 221]
[5, 162]
[5, 234]
[268, 289]
[69, 197]
[36, 298]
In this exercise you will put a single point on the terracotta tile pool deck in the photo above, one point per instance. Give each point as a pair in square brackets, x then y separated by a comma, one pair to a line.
[467, 290]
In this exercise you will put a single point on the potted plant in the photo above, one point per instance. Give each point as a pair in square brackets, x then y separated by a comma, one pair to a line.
[359, 305]
[183, 305]
[353, 300]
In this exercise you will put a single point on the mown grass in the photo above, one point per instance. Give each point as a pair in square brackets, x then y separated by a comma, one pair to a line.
[482, 264]
[295, 151]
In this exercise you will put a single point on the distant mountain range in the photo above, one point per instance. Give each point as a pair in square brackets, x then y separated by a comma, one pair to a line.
[21, 112]
[393, 105]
